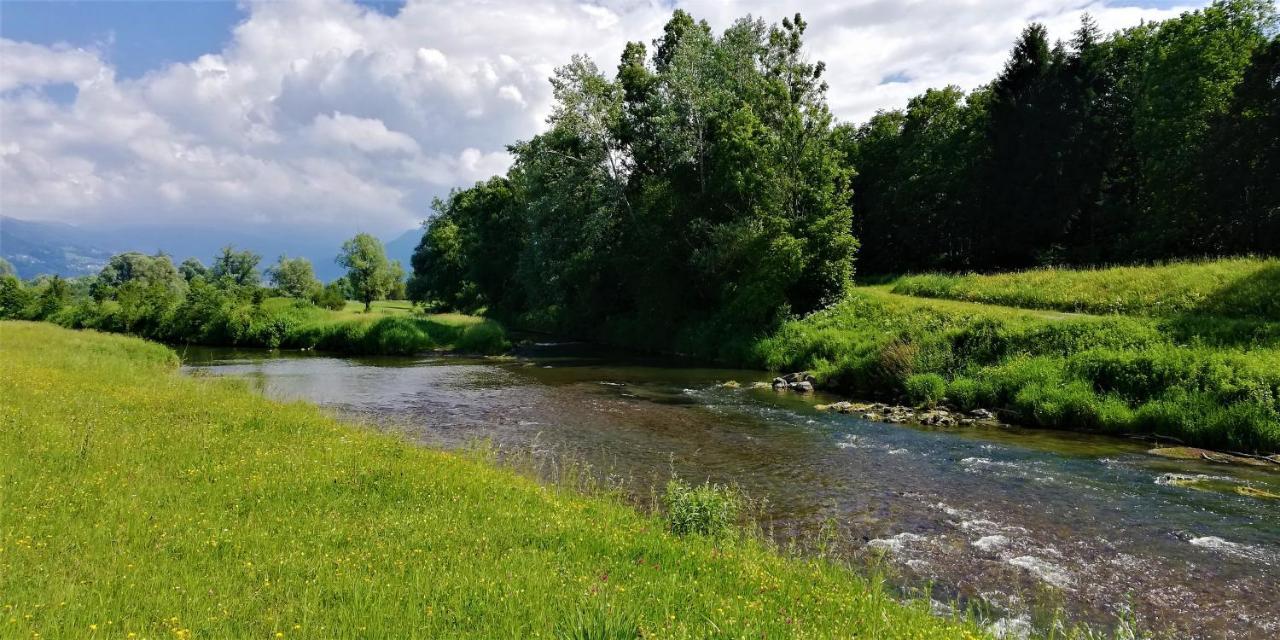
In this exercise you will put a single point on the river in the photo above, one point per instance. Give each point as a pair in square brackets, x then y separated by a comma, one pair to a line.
[1028, 526]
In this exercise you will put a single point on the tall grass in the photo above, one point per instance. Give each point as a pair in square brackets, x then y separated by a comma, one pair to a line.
[1115, 374]
[1242, 288]
[392, 328]
[139, 503]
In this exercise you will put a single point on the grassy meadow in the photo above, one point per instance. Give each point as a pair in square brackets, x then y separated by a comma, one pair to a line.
[1240, 288]
[139, 503]
[1201, 379]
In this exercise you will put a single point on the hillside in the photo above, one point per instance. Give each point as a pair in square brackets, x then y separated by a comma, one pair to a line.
[36, 248]
[1245, 288]
[1202, 379]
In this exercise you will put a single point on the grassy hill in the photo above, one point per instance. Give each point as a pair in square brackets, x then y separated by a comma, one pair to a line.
[140, 503]
[1247, 288]
[1204, 379]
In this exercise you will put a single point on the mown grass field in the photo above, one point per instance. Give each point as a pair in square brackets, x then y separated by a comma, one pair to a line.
[1244, 288]
[1205, 380]
[141, 503]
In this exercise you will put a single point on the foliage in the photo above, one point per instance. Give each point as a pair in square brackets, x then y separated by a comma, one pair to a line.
[926, 389]
[232, 516]
[695, 195]
[294, 278]
[369, 274]
[192, 268]
[1152, 143]
[239, 268]
[708, 509]
[1116, 374]
[332, 296]
[147, 296]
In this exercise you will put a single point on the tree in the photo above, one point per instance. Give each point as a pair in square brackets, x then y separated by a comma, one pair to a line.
[332, 296]
[238, 268]
[192, 268]
[140, 271]
[6, 268]
[1242, 161]
[369, 274]
[294, 277]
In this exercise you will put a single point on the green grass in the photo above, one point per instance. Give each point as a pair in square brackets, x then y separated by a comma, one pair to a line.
[390, 328]
[383, 307]
[1209, 387]
[1240, 288]
[141, 503]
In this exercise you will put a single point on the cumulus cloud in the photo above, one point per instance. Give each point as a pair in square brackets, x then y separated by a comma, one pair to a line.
[332, 114]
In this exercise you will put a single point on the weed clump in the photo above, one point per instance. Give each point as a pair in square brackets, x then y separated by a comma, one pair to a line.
[707, 509]
[926, 389]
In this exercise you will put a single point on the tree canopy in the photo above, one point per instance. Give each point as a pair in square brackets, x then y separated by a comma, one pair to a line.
[294, 277]
[699, 190]
[370, 275]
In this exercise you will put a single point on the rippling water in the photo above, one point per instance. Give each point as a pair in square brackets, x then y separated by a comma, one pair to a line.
[1031, 525]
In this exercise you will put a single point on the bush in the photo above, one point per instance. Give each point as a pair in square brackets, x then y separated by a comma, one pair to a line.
[332, 297]
[709, 510]
[925, 389]
[484, 337]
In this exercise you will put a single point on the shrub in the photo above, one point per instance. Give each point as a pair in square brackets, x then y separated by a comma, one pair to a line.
[925, 389]
[709, 509]
[394, 336]
[484, 337]
[332, 297]
[895, 362]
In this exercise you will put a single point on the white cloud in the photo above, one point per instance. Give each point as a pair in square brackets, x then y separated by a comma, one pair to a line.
[366, 134]
[327, 113]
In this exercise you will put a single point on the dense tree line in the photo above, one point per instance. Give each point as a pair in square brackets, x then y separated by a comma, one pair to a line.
[704, 188]
[699, 190]
[1155, 142]
[219, 304]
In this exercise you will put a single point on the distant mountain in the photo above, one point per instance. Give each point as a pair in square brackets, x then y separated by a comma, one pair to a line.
[402, 248]
[68, 250]
[37, 248]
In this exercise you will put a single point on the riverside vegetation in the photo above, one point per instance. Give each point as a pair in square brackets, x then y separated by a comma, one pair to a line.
[141, 503]
[702, 200]
[227, 305]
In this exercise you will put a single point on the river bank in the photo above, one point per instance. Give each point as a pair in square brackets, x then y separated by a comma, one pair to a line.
[1203, 382]
[138, 501]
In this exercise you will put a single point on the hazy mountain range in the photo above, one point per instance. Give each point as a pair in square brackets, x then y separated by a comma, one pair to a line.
[56, 248]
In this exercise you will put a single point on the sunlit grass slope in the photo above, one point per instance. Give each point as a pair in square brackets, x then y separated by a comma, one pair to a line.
[1247, 288]
[139, 501]
[390, 327]
[1205, 381]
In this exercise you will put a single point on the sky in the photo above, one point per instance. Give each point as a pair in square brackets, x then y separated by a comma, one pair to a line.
[333, 116]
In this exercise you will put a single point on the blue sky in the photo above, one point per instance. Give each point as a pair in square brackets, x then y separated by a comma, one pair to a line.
[136, 36]
[340, 114]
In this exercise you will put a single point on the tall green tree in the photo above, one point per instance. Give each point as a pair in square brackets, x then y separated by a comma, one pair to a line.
[294, 277]
[238, 268]
[1241, 163]
[369, 274]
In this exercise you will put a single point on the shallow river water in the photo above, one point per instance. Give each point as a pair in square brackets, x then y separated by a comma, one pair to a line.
[1029, 526]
